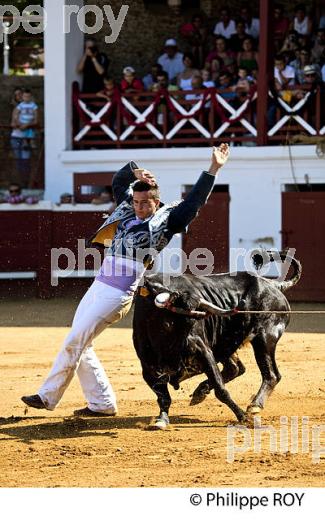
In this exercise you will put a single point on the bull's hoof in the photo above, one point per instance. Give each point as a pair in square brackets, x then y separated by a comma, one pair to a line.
[161, 423]
[200, 394]
[254, 410]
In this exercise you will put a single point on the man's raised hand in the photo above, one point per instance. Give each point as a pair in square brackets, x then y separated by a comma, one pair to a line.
[145, 176]
[220, 156]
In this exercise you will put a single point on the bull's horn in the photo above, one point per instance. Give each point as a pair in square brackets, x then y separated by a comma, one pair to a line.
[162, 299]
[213, 309]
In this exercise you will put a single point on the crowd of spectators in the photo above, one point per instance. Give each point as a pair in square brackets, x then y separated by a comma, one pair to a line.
[225, 57]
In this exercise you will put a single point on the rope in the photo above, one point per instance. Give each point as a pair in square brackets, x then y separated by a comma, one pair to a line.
[280, 312]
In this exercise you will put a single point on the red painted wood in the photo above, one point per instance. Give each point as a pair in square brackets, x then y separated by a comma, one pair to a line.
[210, 230]
[303, 224]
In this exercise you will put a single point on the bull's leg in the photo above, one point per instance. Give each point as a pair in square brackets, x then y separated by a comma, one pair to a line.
[264, 350]
[216, 382]
[163, 398]
[232, 368]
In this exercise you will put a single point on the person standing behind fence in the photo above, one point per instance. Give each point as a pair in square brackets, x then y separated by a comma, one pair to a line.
[24, 122]
[93, 66]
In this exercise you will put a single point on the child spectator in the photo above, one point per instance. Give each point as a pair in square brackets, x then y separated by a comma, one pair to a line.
[195, 34]
[151, 78]
[226, 27]
[302, 24]
[252, 25]
[130, 84]
[206, 77]
[24, 121]
[184, 79]
[284, 75]
[110, 88]
[248, 57]
[172, 60]
[236, 40]
[244, 82]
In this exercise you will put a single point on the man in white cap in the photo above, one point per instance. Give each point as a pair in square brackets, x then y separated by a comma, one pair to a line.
[172, 60]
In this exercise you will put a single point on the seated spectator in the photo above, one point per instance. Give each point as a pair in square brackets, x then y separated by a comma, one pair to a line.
[302, 24]
[195, 34]
[66, 198]
[15, 196]
[105, 197]
[299, 63]
[93, 66]
[163, 82]
[184, 79]
[244, 82]
[206, 77]
[110, 88]
[197, 84]
[284, 75]
[281, 26]
[290, 45]
[318, 49]
[226, 82]
[151, 78]
[24, 121]
[248, 57]
[172, 60]
[232, 67]
[226, 27]
[236, 40]
[252, 25]
[130, 84]
[312, 79]
[218, 59]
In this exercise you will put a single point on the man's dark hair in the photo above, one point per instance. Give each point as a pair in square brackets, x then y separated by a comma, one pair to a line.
[27, 91]
[141, 186]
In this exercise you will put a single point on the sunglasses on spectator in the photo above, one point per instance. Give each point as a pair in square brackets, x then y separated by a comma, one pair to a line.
[14, 191]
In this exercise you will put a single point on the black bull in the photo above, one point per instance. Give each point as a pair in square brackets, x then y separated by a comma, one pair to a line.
[189, 336]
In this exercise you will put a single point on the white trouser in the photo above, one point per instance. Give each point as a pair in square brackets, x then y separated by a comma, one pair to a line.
[101, 306]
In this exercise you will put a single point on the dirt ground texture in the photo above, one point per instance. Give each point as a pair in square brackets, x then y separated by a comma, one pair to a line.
[53, 449]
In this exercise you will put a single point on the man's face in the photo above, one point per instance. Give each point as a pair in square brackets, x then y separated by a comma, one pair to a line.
[170, 51]
[144, 205]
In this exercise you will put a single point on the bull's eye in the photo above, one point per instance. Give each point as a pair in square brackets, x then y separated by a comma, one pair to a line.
[168, 325]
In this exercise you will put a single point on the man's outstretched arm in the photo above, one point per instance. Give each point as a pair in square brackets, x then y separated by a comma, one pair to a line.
[187, 210]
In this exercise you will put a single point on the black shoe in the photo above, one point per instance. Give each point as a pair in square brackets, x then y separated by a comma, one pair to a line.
[34, 401]
[87, 412]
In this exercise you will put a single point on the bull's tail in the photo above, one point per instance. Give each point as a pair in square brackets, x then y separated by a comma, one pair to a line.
[265, 257]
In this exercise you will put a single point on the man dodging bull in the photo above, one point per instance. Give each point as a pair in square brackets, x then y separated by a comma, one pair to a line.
[140, 221]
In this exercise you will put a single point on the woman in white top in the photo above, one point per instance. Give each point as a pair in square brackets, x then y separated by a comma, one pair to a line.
[184, 79]
[226, 27]
[302, 24]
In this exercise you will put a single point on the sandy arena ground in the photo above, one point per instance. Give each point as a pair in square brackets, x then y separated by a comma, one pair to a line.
[52, 449]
